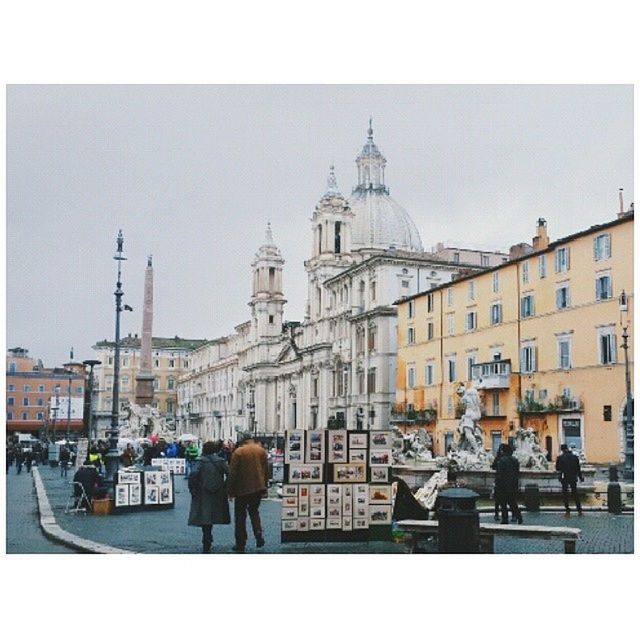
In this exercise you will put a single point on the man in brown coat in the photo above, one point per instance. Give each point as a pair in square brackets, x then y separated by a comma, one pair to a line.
[248, 477]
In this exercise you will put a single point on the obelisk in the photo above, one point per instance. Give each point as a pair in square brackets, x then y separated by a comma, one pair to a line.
[144, 379]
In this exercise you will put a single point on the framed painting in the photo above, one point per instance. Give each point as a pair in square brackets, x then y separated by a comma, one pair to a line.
[380, 457]
[303, 524]
[381, 440]
[289, 513]
[380, 514]
[151, 494]
[315, 446]
[294, 444]
[304, 473]
[135, 495]
[358, 455]
[380, 494]
[350, 472]
[316, 524]
[361, 523]
[289, 525]
[289, 490]
[337, 446]
[122, 495]
[358, 440]
[379, 474]
[334, 523]
[166, 494]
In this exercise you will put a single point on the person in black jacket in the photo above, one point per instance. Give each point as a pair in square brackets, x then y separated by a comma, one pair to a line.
[568, 467]
[506, 484]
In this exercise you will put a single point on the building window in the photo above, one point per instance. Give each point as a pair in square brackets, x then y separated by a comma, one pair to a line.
[564, 352]
[496, 313]
[562, 259]
[186, 364]
[25, 402]
[41, 388]
[527, 307]
[314, 387]
[371, 381]
[606, 345]
[602, 247]
[542, 267]
[542, 395]
[372, 338]
[156, 363]
[496, 282]
[171, 364]
[563, 297]
[27, 388]
[169, 406]
[606, 413]
[484, 260]
[411, 335]
[429, 330]
[429, 302]
[25, 416]
[471, 321]
[9, 415]
[110, 360]
[125, 362]
[450, 296]
[471, 290]
[604, 290]
[471, 360]
[40, 402]
[411, 310]
[528, 358]
[12, 367]
[270, 319]
[171, 384]
[337, 237]
[156, 384]
[495, 404]
[11, 401]
[525, 272]
[429, 374]
[404, 284]
[56, 389]
[451, 369]
[40, 416]
[456, 256]
[79, 390]
[450, 324]
[11, 387]
[372, 288]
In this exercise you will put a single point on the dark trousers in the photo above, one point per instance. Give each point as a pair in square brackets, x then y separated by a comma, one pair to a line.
[574, 494]
[244, 504]
[508, 499]
[207, 537]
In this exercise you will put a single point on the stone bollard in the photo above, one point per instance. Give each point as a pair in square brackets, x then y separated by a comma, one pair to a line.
[458, 521]
[614, 498]
[532, 497]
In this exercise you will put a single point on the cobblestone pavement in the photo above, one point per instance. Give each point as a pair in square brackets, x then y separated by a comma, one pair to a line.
[23, 528]
[167, 532]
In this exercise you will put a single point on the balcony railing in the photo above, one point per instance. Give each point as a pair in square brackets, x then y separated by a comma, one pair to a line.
[561, 404]
[491, 375]
[425, 416]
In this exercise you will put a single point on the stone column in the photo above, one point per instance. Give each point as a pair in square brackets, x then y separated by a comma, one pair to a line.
[144, 379]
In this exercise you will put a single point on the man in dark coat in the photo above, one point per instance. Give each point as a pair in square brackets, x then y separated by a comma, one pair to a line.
[506, 484]
[65, 458]
[248, 479]
[568, 468]
[87, 476]
[207, 485]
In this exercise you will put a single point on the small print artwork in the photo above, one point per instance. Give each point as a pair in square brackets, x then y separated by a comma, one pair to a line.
[337, 446]
[165, 477]
[361, 523]
[334, 511]
[361, 511]
[357, 441]
[380, 514]
[122, 495]
[151, 478]
[316, 501]
[166, 494]
[334, 523]
[379, 474]
[151, 495]
[289, 513]
[289, 525]
[299, 473]
[380, 495]
[316, 524]
[357, 455]
[135, 494]
[347, 492]
[303, 509]
[356, 472]
[346, 508]
[334, 490]
[290, 501]
[289, 490]
[381, 440]
[316, 512]
[294, 446]
[303, 524]
[347, 524]
[315, 445]
[303, 491]
[361, 490]
[378, 458]
[335, 501]
[128, 477]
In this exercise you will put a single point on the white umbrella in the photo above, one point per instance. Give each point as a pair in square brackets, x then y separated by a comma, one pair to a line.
[187, 436]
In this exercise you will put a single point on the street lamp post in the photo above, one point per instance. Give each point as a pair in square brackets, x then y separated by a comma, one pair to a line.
[627, 473]
[69, 399]
[112, 456]
[90, 364]
[55, 410]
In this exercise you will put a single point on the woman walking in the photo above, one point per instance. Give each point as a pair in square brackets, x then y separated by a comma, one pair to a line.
[208, 488]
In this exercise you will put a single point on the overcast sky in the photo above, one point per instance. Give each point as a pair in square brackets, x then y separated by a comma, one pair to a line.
[192, 174]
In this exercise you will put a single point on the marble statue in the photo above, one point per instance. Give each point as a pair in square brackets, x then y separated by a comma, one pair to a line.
[427, 495]
[143, 422]
[412, 447]
[528, 451]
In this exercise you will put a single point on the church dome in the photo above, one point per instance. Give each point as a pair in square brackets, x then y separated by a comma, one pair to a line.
[379, 221]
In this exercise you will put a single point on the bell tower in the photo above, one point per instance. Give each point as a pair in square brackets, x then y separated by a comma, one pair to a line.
[267, 299]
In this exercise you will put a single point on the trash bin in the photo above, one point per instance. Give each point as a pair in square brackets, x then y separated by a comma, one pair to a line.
[531, 497]
[614, 497]
[458, 521]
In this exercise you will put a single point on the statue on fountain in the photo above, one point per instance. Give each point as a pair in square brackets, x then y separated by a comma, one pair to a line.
[528, 452]
[143, 422]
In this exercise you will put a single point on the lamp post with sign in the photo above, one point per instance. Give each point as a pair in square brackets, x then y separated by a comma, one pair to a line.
[628, 408]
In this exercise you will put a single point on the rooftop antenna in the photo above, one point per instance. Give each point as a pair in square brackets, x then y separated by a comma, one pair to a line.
[621, 202]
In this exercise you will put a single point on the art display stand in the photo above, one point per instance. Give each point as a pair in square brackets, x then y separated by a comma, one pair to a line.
[143, 489]
[337, 486]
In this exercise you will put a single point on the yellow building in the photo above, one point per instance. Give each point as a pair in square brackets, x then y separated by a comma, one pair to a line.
[540, 337]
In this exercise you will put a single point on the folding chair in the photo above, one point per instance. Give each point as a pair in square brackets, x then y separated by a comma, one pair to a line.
[78, 499]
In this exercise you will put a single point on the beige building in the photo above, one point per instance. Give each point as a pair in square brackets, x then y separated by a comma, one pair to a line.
[539, 336]
[170, 360]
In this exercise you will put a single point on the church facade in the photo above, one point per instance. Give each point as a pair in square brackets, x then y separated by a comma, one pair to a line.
[336, 367]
